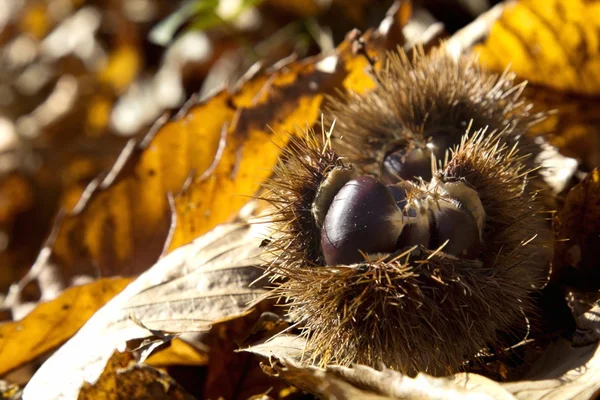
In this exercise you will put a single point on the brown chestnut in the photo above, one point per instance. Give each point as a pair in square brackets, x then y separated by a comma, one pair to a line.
[406, 164]
[362, 217]
[459, 227]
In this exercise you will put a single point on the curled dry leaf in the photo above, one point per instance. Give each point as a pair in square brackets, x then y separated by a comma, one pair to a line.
[193, 287]
[362, 382]
[562, 372]
[53, 323]
[124, 379]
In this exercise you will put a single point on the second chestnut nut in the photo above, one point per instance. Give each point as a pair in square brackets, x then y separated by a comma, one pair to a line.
[367, 217]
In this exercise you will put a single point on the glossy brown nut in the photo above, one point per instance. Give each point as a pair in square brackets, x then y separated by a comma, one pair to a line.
[460, 229]
[406, 164]
[363, 217]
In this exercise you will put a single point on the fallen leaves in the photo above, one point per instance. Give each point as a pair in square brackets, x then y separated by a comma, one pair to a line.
[552, 43]
[221, 263]
[578, 227]
[168, 191]
[555, 46]
[124, 379]
[52, 323]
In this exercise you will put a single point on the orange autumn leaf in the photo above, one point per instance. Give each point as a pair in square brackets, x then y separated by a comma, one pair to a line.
[52, 323]
[554, 43]
[123, 378]
[179, 352]
[212, 157]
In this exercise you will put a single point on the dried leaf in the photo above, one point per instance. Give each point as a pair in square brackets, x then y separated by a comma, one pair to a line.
[552, 43]
[286, 346]
[52, 323]
[193, 287]
[179, 352]
[362, 382]
[124, 379]
[578, 227]
[563, 372]
[318, 382]
[574, 125]
[585, 307]
[288, 98]
[232, 374]
[120, 224]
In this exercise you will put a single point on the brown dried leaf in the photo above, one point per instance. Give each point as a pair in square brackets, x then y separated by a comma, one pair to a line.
[318, 382]
[191, 288]
[124, 379]
[578, 227]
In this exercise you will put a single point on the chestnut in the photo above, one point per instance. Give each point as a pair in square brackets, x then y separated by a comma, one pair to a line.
[416, 228]
[406, 164]
[460, 228]
[363, 217]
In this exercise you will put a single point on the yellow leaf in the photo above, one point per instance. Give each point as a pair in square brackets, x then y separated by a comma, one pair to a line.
[52, 323]
[121, 68]
[212, 157]
[554, 43]
[35, 20]
[179, 352]
[98, 113]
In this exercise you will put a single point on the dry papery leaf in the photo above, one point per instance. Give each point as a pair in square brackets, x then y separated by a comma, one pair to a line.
[562, 372]
[124, 379]
[193, 287]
